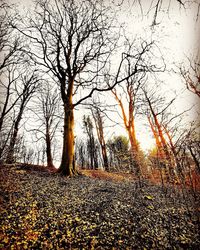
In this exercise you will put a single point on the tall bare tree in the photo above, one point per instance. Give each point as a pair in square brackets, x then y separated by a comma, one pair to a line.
[10, 56]
[157, 115]
[72, 40]
[140, 62]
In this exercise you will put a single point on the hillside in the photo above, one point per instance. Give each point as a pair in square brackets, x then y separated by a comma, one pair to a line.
[41, 210]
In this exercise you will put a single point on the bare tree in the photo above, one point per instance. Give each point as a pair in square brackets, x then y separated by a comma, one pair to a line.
[27, 86]
[13, 90]
[140, 62]
[50, 109]
[72, 41]
[191, 143]
[10, 55]
[158, 118]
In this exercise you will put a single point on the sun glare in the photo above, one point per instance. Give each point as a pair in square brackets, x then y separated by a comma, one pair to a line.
[146, 142]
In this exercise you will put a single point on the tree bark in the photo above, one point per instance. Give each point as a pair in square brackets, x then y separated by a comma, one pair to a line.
[104, 155]
[160, 153]
[67, 166]
[10, 156]
[134, 147]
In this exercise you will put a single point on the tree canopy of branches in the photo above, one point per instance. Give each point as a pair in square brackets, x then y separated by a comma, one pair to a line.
[72, 41]
[10, 42]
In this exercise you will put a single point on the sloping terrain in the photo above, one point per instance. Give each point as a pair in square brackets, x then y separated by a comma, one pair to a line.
[41, 210]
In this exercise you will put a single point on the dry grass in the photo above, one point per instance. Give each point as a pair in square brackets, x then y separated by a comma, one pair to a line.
[101, 174]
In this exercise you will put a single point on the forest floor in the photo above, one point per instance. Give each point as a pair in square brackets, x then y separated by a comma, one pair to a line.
[41, 210]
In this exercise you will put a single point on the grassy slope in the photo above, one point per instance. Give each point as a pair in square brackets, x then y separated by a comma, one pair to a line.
[40, 210]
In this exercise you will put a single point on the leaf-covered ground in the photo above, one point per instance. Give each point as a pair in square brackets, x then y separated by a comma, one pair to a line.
[40, 210]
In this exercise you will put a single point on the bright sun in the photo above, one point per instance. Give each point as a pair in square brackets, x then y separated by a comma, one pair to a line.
[146, 142]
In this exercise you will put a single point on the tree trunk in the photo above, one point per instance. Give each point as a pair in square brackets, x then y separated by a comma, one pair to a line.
[10, 156]
[67, 166]
[105, 157]
[134, 149]
[91, 152]
[195, 159]
[48, 149]
[1, 123]
[100, 133]
[160, 152]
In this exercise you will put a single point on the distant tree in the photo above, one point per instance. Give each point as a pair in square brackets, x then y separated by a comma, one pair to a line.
[81, 153]
[99, 124]
[119, 153]
[190, 143]
[91, 142]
